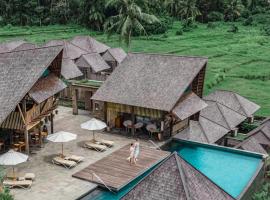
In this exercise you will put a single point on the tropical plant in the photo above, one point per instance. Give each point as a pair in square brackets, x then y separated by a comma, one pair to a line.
[263, 194]
[128, 19]
[233, 10]
[189, 10]
[4, 192]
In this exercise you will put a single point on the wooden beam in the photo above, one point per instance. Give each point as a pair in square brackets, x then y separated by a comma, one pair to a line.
[74, 100]
[51, 116]
[26, 134]
[22, 115]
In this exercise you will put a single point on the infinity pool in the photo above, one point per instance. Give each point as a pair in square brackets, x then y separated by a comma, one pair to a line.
[230, 170]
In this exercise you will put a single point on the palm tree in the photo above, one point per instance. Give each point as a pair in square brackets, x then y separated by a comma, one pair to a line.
[173, 7]
[188, 10]
[129, 18]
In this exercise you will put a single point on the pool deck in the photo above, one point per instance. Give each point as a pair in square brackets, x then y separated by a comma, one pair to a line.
[115, 170]
[55, 182]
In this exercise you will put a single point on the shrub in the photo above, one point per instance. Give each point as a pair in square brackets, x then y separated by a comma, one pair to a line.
[215, 16]
[266, 30]
[248, 21]
[5, 195]
[246, 13]
[179, 32]
[263, 194]
[246, 127]
[233, 29]
[211, 25]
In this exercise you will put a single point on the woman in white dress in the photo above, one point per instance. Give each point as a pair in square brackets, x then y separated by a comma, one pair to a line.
[136, 150]
[131, 153]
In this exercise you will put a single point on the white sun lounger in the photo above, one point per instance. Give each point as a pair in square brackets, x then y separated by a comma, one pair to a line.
[25, 184]
[74, 158]
[94, 146]
[108, 143]
[66, 163]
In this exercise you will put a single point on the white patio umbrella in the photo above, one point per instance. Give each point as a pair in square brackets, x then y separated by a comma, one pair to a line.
[61, 137]
[93, 125]
[12, 158]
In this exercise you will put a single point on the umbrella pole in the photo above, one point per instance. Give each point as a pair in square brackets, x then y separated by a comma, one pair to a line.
[14, 178]
[62, 150]
[94, 135]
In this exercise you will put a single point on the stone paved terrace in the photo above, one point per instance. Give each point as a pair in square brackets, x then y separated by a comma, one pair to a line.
[55, 182]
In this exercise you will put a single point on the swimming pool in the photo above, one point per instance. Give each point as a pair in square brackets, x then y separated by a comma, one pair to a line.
[230, 169]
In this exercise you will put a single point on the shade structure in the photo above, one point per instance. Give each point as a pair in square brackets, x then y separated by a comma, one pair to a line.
[12, 158]
[61, 137]
[93, 125]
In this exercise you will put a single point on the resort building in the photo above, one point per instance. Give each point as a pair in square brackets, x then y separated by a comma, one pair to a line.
[176, 179]
[159, 92]
[258, 140]
[225, 111]
[86, 64]
[16, 46]
[30, 81]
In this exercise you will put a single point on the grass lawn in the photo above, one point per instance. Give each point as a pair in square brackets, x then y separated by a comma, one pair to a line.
[237, 61]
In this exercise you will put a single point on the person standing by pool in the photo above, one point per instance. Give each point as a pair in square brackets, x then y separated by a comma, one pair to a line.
[131, 153]
[136, 151]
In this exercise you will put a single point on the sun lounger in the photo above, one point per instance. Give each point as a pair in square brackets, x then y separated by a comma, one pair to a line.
[94, 146]
[30, 176]
[25, 184]
[66, 163]
[108, 143]
[74, 158]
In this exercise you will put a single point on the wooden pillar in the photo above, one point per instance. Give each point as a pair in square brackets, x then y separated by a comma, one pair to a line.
[132, 120]
[51, 116]
[26, 134]
[74, 100]
[105, 112]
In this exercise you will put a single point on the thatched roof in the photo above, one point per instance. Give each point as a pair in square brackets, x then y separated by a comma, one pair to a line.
[93, 61]
[259, 136]
[234, 101]
[69, 69]
[253, 145]
[46, 87]
[115, 54]
[222, 115]
[19, 71]
[204, 130]
[16, 45]
[89, 44]
[176, 179]
[188, 105]
[71, 51]
[150, 80]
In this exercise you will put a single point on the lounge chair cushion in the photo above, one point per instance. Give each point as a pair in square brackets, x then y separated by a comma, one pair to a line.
[74, 158]
[66, 163]
[95, 146]
[106, 142]
[22, 184]
[30, 176]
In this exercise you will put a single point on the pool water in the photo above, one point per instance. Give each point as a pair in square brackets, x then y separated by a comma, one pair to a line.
[231, 171]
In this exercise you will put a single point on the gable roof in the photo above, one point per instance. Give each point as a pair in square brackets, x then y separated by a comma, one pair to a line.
[234, 101]
[93, 61]
[115, 54]
[89, 44]
[150, 80]
[256, 138]
[204, 130]
[25, 46]
[69, 69]
[19, 71]
[222, 115]
[176, 179]
[188, 105]
[46, 87]
[70, 50]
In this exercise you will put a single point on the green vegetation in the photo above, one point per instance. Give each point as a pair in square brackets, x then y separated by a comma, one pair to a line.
[4, 192]
[264, 193]
[90, 83]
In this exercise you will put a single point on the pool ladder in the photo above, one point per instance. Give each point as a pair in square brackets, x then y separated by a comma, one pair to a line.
[154, 144]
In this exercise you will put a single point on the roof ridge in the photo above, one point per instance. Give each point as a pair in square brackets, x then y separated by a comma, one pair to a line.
[182, 175]
[43, 47]
[170, 55]
[204, 133]
[218, 106]
[235, 96]
[214, 122]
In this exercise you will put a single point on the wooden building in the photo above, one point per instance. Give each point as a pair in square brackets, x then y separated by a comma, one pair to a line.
[29, 84]
[164, 90]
